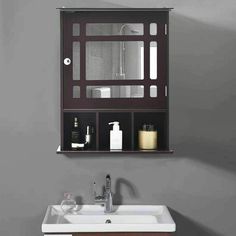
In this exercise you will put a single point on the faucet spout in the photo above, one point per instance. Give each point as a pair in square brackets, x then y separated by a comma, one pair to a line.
[106, 198]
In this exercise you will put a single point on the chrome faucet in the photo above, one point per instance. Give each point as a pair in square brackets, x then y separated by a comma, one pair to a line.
[106, 199]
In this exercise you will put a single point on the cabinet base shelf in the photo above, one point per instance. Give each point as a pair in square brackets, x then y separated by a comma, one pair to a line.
[59, 151]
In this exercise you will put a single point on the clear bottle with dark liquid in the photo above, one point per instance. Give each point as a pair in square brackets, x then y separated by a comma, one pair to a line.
[75, 135]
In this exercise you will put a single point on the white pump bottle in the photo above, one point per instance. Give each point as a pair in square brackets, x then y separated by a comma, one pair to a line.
[115, 136]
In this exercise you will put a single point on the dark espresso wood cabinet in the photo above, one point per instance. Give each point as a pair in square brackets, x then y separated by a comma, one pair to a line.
[114, 67]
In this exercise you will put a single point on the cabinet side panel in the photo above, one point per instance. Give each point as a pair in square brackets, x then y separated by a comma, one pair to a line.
[61, 82]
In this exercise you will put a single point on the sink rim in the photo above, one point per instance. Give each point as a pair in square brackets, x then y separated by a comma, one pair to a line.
[165, 223]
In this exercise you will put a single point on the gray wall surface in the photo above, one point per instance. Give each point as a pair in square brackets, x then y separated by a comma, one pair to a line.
[198, 182]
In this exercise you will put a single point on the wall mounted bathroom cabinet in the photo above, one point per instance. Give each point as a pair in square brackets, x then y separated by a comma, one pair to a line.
[114, 67]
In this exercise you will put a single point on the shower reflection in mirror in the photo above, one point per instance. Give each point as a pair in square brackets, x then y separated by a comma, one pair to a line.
[115, 60]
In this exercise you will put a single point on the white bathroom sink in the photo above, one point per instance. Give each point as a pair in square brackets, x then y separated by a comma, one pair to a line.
[125, 218]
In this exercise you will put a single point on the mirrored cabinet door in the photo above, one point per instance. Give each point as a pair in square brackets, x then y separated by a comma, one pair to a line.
[114, 61]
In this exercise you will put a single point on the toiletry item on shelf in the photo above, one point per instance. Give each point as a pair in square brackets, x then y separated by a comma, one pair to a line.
[115, 136]
[75, 135]
[68, 204]
[147, 137]
[88, 136]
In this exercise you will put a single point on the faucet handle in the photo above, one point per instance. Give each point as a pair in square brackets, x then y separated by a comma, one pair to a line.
[94, 189]
[108, 182]
[97, 198]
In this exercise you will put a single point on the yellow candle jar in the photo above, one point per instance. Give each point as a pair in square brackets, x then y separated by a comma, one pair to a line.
[148, 138]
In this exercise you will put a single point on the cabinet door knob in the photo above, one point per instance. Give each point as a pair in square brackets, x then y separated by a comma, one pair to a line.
[67, 61]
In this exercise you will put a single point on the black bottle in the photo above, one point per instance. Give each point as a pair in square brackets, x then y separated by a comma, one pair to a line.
[75, 135]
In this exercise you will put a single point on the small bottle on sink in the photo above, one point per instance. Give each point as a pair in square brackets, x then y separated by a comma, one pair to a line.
[68, 204]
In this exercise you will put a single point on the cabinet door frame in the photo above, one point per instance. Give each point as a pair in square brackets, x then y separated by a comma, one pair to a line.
[69, 18]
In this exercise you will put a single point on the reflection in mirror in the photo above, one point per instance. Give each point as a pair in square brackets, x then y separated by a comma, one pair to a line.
[116, 91]
[76, 92]
[153, 60]
[114, 60]
[153, 29]
[153, 91]
[76, 60]
[114, 29]
[76, 29]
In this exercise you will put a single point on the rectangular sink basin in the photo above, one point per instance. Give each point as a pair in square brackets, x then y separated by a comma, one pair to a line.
[125, 218]
[111, 219]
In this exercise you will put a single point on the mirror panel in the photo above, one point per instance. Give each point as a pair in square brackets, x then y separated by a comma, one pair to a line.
[153, 29]
[115, 91]
[153, 91]
[97, 29]
[76, 61]
[153, 60]
[114, 60]
[76, 29]
[76, 91]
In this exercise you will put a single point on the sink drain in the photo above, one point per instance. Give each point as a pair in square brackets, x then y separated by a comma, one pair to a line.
[108, 221]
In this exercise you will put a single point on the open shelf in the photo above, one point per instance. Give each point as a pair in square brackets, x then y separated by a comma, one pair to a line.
[130, 124]
[84, 119]
[158, 120]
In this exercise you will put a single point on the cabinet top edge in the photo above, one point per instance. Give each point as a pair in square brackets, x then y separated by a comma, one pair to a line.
[114, 9]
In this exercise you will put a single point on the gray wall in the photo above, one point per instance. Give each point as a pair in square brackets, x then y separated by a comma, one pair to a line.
[197, 182]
